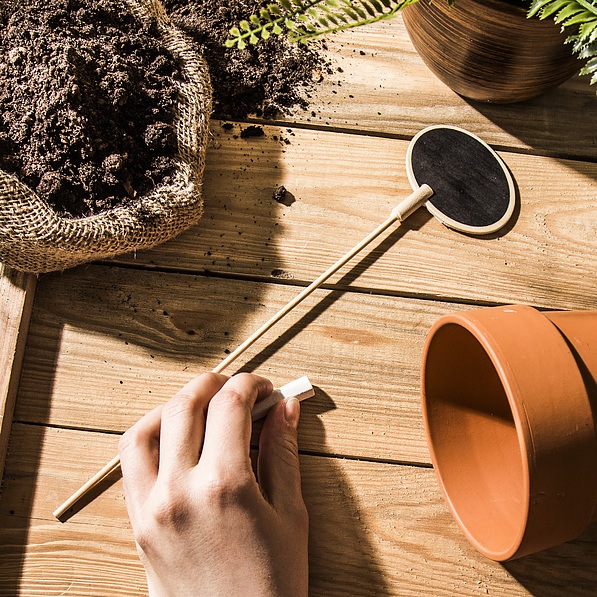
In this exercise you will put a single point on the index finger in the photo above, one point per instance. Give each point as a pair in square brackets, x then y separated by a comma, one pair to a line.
[229, 422]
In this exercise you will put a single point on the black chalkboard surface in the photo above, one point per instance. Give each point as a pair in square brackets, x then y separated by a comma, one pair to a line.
[473, 189]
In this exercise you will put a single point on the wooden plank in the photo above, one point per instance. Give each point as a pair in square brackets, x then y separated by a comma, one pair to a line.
[380, 84]
[108, 344]
[16, 300]
[376, 529]
[85, 560]
[345, 185]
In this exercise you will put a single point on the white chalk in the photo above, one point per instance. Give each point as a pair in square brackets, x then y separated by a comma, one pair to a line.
[300, 389]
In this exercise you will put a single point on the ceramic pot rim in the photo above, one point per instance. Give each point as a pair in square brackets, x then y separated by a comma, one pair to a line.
[505, 333]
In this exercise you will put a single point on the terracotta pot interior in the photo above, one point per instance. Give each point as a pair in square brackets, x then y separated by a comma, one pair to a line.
[474, 441]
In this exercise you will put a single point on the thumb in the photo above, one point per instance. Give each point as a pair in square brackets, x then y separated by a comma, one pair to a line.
[278, 462]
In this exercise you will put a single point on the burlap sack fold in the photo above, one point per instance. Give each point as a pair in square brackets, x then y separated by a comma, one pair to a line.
[33, 238]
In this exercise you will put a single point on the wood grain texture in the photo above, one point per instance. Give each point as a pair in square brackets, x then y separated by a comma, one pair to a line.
[381, 85]
[377, 530]
[345, 185]
[106, 345]
[16, 300]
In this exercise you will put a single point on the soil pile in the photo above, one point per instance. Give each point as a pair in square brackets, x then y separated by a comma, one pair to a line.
[86, 102]
[267, 79]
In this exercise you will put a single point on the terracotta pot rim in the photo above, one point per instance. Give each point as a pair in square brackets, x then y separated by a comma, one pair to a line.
[527, 405]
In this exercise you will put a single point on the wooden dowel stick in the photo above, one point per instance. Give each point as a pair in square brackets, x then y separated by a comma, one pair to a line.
[88, 486]
[399, 213]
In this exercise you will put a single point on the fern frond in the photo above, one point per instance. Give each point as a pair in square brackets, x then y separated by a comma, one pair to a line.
[302, 20]
[580, 17]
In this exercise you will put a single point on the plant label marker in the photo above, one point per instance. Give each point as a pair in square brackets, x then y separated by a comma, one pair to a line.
[473, 189]
[402, 211]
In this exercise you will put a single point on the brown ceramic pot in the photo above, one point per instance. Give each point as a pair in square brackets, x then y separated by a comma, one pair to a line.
[488, 50]
[509, 397]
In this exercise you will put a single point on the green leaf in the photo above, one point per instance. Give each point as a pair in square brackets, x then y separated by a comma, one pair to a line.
[359, 11]
[582, 17]
[589, 5]
[585, 52]
[333, 20]
[545, 8]
[245, 25]
[590, 67]
[369, 8]
[351, 13]
[378, 7]
[567, 12]
[588, 29]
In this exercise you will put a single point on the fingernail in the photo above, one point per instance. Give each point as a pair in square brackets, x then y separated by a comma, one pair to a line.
[292, 412]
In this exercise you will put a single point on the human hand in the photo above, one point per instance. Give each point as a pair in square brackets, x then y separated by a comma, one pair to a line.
[202, 522]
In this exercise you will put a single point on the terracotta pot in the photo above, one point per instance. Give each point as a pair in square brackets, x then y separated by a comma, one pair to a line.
[509, 397]
[488, 50]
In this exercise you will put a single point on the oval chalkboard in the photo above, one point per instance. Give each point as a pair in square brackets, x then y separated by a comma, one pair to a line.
[473, 189]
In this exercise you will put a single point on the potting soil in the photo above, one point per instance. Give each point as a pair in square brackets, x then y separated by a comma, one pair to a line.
[266, 79]
[86, 102]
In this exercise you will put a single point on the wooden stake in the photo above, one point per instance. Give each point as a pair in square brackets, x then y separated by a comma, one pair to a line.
[88, 486]
[399, 213]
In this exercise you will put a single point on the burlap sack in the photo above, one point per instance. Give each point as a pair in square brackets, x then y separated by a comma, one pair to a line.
[33, 238]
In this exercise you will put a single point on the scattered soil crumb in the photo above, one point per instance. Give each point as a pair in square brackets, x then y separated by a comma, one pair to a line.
[281, 195]
[252, 131]
[280, 273]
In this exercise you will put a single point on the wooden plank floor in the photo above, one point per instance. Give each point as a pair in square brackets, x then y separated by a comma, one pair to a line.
[108, 341]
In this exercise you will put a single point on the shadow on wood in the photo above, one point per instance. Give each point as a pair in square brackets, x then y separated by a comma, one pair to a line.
[554, 127]
[571, 565]
[15, 510]
[342, 553]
